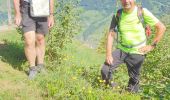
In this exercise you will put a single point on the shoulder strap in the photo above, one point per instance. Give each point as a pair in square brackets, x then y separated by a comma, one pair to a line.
[118, 15]
[140, 15]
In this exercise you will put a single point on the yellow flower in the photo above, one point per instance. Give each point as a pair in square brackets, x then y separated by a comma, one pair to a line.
[100, 81]
[98, 78]
[83, 88]
[74, 78]
[104, 81]
[89, 91]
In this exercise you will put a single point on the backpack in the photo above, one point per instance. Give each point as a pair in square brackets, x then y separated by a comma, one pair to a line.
[39, 8]
[141, 20]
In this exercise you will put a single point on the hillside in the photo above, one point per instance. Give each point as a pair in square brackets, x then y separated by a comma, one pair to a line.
[74, 69]
[79, 77]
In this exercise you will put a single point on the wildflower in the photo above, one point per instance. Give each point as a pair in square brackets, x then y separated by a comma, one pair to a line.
[83, 88]
[98, 78]
[90, 91]
[100, 81]
[74, 78]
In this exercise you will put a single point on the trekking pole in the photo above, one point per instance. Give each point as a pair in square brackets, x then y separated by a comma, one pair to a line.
[110, 74]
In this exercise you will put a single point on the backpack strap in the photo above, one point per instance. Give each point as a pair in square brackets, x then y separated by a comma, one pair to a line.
[118, 16]
[140, 15]
[147, 28]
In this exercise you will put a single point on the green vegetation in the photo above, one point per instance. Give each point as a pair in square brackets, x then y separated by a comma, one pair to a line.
[73, 68]
[13, 78]
[79, 75]
[67, 26]
[155, 73]
[77, 78]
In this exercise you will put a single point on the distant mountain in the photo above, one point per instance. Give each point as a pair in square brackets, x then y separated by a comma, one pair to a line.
[156, 6]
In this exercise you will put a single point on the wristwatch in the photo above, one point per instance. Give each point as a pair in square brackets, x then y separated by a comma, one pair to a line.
[51, 14]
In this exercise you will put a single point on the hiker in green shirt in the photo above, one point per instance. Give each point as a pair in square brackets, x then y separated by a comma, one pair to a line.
[131, 42]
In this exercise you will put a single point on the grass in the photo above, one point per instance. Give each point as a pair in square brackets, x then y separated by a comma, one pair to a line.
[76, 79]
[82, 55]
[11, 49]
[14, 84]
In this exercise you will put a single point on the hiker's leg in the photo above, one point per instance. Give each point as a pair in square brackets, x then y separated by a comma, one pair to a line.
[40, 48]
[106, 71]
[42, 30]
[134, 63]
[28, 28]
[30, 52]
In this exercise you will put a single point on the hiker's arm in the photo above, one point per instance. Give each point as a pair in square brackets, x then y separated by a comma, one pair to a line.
[51, 17]
[160, 29]
[110, 37]
[17, 12]
[51, 7]
[153, 21]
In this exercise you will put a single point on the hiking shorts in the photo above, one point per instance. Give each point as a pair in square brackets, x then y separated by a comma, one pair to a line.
[28, 23]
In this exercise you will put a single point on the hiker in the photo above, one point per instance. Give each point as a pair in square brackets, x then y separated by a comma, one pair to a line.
[34, 26]
[131, 42]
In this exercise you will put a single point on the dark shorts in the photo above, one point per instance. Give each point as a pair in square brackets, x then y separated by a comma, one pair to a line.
[28, 23]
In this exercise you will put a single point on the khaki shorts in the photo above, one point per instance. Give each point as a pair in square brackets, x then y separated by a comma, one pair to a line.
[28, 23]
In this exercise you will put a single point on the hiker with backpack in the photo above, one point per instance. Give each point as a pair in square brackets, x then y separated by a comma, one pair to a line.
[36, 18]
[129, 26]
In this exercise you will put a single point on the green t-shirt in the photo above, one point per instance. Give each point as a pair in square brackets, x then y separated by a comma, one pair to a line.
[132, 31]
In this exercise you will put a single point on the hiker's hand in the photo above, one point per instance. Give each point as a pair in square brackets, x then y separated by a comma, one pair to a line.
[146, 49]
[50, 21]
[18, 19]
[109, 60]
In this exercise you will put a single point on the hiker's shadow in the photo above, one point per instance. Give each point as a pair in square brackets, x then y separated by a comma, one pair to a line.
[13, 54]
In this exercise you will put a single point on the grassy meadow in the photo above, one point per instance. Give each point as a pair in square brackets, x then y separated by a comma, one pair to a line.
[78, 78]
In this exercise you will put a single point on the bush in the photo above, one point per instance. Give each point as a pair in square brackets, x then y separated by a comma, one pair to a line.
[66, 27]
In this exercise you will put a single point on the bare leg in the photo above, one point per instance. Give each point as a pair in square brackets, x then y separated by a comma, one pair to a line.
[40, 48]
[30, 51]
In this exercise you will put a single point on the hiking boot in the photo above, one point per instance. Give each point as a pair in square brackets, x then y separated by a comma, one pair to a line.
[113, 84]
[32, 72]
[132, 88]
[41, 68]
[110, 83]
